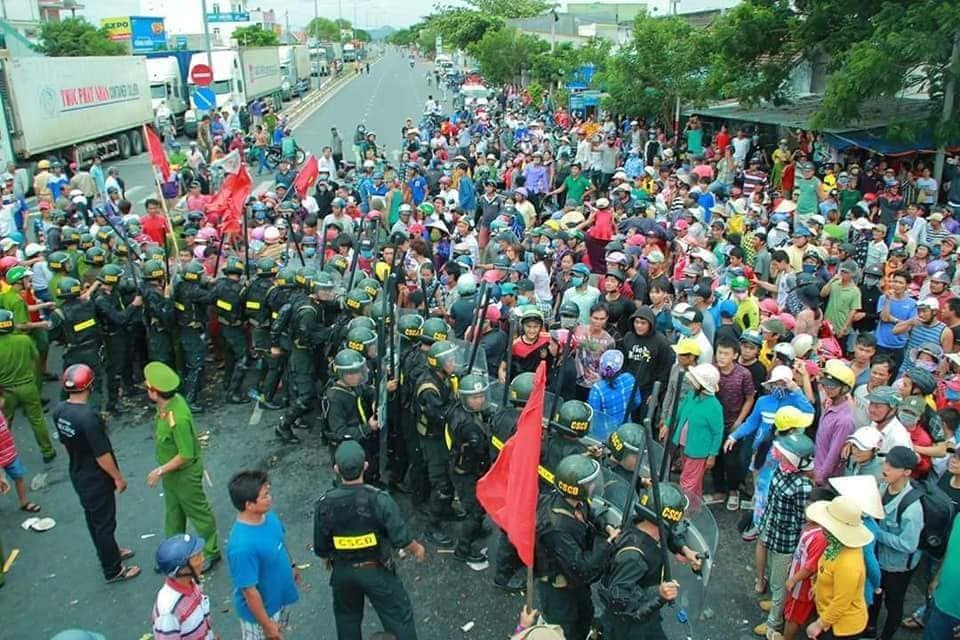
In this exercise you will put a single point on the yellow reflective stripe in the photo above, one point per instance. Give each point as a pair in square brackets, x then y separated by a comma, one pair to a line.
[275, 315]
[542, 471]
[179, 306]
[350, 543]
[223, 304]
[86, 324]
[447, 437]
[363, 414]
[253, 305]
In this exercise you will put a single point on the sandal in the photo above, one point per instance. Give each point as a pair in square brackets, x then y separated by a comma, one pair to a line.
[30, 507]
[760, 585]
[126, 573]
[733, 502]
[911, 622]
[126, 554]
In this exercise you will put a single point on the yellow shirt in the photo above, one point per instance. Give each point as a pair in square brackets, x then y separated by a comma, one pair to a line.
[766, 356]
[839, 592]
[829, 181]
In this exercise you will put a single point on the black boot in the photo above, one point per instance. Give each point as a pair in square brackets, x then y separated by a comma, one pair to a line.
[285, 433]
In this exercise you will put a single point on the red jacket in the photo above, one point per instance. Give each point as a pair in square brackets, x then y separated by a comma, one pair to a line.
[155, 227]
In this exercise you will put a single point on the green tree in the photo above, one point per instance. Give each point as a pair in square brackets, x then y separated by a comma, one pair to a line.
[461, 27]
[510, 8]
[77, 37]
[404, 37]
[323, 29]
[361, 35]
[255, 36]
[666, 58]
[503, 54]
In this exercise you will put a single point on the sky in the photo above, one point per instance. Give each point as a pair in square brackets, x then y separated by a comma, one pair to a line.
[370, 13]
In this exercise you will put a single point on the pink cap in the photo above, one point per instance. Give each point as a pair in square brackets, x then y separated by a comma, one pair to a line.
[636, 240]
[493, 313]
[788, 321]
[681, 225]
[769, 306]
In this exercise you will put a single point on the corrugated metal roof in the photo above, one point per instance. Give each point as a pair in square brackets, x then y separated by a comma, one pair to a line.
[875, 113]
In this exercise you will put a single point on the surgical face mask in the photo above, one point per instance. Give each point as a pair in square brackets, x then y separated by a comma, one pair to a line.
[809, 268]
[740, 295]
[907, 419]
[568, 322]
[366, 253]
[926, 365]
[681, 328]
[578, 280]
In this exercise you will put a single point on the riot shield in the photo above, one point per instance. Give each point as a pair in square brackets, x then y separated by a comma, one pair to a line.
[463, 358]
[702, 536]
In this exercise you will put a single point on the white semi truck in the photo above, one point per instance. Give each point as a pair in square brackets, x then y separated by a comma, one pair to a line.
[240, 76]
[74, 108]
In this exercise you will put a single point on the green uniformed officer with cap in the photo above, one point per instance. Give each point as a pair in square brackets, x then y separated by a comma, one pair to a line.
[18, 379]
[179, 466]
[356, 527]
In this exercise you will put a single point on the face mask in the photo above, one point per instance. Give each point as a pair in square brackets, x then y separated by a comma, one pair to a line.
[681, 328]
[367, 254]
[779, 393]
[908, 420]
[578, 280]
[870, 281]
[927, 366]
[740, 295]
[809, 268]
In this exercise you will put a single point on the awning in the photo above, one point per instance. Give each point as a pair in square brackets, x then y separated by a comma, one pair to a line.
[877, 141]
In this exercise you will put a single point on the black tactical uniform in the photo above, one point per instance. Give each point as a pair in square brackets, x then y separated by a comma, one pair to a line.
[356, 526]
[228, 294]
[257, 315]
[350, 408]
[158, 314]
[277, 297]
[306, 336]
[190, 301]
[570, 552]
[115, 318]
[469, 440]
[74, 324]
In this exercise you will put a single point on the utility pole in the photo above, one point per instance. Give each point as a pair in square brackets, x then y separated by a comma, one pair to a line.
[286, 21]
[206, 34]
[949, 95]
[676, 113]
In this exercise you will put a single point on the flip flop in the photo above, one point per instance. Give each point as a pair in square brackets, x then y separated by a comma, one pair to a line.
[126, 554]
[30, 507]
[126, 573]
[911, 622]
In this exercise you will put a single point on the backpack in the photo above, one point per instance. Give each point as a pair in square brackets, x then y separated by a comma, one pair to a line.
[937, 516]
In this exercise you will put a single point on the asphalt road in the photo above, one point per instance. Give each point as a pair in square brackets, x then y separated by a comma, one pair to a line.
[56, 583]
[381, 100]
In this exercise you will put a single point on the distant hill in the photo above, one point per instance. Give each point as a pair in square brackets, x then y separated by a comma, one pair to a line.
[380, 32]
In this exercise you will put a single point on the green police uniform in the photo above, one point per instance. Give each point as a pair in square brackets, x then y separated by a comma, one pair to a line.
[228, 305]
[190, 301]
[175, 436]
[356, 526]
[74, 323]
[433, 399]
[305, 339]
[258, 316]
[277, 297]
[18, 379]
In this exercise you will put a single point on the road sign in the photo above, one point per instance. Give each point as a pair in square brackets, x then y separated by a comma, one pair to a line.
[229, 16]
[204, 98]
[202, 75]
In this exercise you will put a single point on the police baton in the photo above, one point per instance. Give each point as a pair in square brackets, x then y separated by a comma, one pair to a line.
[555, 387]
[126, 241]
[513, 336]
[216, 262]
[356, 256]
[478, 324]
[246, 242]
[672, 428]
[647, 421]
[655, 488]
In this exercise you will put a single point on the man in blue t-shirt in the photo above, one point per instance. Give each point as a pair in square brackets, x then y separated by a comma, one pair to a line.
[895, 306]
[264, 575]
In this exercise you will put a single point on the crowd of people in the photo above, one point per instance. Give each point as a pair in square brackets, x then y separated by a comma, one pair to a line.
[786, 316]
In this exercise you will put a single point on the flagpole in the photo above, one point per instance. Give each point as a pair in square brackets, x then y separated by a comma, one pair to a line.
[163, 201]
[246, 244]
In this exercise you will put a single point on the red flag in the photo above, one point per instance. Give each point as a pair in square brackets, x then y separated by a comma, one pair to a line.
[230, 200]
[158, 158]
[509, 490]
[307, 176]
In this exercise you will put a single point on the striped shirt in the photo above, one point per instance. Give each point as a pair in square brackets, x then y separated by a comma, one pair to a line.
[181, 613]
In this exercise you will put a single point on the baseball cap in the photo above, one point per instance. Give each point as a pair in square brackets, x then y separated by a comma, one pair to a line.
[866, 438]
[655, 257]
[774, 326]
[901, 457]
[349, 459]
[687, 347]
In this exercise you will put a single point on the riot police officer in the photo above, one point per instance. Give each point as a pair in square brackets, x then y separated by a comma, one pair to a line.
[507, 574]
[566, 433]
[115, 318]
[191, 297]
[306, 336]
[349, 403]
[283, 291]
[257, 315]
[632, 589]
[158, 313]
[228, 293]
[60, 267]
[434, 393]
[469, 440]
[355, 529]
[571, 549]
[626, 445]
[74, 323]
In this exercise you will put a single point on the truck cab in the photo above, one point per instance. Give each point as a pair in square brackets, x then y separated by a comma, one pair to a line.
[167, 88]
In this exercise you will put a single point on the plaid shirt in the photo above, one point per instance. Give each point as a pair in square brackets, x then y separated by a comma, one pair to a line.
[782, 521]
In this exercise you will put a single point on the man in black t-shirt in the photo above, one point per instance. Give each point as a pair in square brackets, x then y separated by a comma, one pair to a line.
[93, 470]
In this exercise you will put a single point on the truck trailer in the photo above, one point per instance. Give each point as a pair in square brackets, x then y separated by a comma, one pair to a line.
[98, 108]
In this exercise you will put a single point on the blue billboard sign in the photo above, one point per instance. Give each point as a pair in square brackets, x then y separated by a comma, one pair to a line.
[229, 16]
[147, 34]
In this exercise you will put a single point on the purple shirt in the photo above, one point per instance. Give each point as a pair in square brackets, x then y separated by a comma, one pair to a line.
[836, 425]
[735, 389]
[536, 175]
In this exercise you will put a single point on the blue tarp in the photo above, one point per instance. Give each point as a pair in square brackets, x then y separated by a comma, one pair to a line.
[879, 141]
